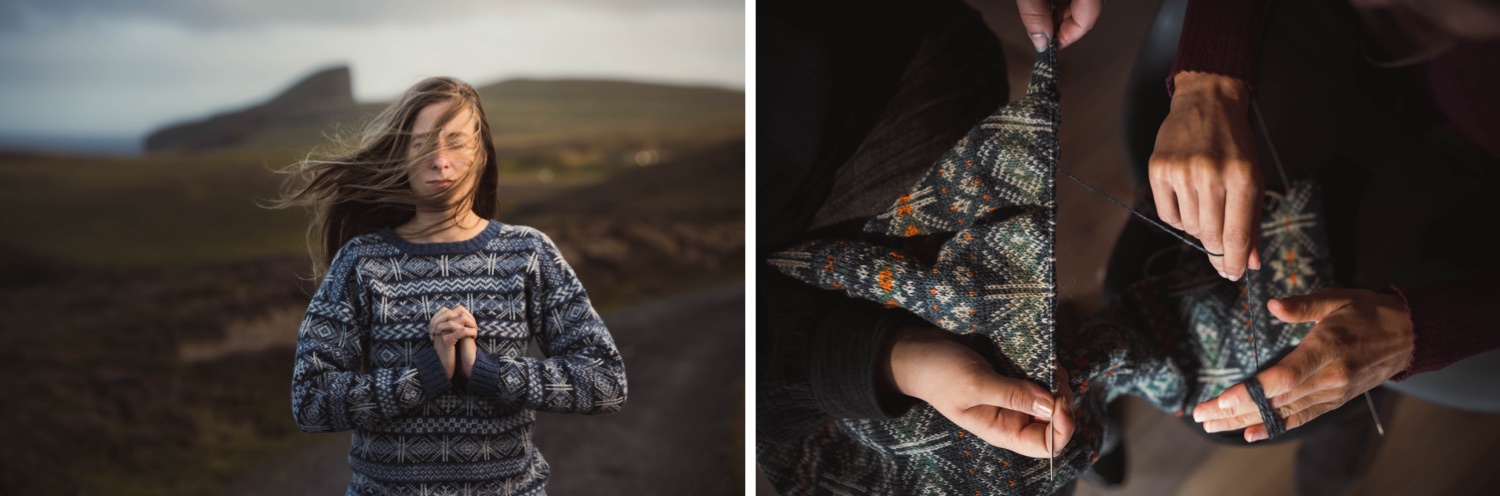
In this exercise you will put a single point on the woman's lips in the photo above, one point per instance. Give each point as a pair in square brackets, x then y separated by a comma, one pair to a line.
[441, 183]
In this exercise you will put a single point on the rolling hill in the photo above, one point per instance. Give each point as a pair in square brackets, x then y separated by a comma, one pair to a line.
[571, 121]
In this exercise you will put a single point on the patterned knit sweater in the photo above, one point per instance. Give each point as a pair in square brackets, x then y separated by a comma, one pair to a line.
[1178, 337]
[365, 361]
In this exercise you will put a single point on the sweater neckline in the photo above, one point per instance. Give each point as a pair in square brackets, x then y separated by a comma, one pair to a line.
[440, 247]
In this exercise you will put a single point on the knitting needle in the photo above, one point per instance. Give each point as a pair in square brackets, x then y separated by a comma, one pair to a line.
[1250, 326]
[1051, 473]
[1051, 446]
[1371, 403]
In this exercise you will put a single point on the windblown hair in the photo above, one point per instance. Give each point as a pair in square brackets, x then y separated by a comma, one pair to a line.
[363, 184]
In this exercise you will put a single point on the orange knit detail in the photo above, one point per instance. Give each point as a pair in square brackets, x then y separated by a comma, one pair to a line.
[886, 280]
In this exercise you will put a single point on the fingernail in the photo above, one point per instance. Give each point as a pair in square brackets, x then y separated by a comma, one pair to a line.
[1212, 426]
[1197, 416]
[1228, 402]
[1233, 278]
[1040, 41]
[1042, 408]
[1255, 436]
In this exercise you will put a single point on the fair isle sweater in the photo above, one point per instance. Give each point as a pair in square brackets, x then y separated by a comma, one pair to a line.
[365, 361]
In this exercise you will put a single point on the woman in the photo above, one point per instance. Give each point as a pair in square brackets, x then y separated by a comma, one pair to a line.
[416, 339]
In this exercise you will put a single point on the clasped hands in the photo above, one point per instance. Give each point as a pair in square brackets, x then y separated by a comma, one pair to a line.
[453, 331]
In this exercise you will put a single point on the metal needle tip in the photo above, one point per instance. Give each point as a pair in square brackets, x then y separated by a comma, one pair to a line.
[1378, 428]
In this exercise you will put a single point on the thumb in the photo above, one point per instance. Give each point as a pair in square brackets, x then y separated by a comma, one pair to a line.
[1306, 308]
[1080, 18]
[1017, 395]
[1036, 15]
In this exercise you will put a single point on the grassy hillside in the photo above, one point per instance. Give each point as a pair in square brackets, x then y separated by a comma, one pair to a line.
[167, 211]
[573, 122]
[600, 108]
[705, 184]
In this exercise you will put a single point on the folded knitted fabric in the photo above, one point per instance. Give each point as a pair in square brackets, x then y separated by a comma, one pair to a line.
[1178, 337]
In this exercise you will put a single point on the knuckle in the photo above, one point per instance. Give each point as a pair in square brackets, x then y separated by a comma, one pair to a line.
[1337, 376]
[1280, 378]
[1236, 237]
[1182, 174]
[1296, 420]
[1019, 399]
[1209, 185]
[1240, 173]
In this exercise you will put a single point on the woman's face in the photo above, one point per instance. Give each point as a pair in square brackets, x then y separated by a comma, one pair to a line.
[444, 158]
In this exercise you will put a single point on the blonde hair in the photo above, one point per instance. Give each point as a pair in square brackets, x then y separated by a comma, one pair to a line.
[366, 186]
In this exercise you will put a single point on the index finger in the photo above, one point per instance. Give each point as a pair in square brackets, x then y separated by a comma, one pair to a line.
[1240, 229]
[1280, 379]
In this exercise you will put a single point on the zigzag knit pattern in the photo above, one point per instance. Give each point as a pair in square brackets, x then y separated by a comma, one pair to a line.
[1177, 338]
[365, 361]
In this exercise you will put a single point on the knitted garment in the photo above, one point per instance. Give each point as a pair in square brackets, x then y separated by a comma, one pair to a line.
[365, 361]
[1180, 336]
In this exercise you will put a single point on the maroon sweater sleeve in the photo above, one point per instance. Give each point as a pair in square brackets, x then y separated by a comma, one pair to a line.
[1453, 321]
[1220, 37]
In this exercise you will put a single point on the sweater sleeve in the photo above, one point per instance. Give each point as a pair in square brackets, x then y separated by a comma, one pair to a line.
[819, 354]
[583, 372]
[1453, 321]
[1220, 37]
[332, 389]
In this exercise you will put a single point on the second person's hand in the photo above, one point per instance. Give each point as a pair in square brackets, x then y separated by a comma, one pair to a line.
[1361, 339]
[1204, 175]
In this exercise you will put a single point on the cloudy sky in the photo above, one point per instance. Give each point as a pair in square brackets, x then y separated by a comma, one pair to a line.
[116, 69]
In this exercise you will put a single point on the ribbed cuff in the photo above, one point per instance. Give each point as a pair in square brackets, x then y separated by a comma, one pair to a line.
[484, 379]
[430, 370]
[1451, 322]
[1220, 37]
[845, 352]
